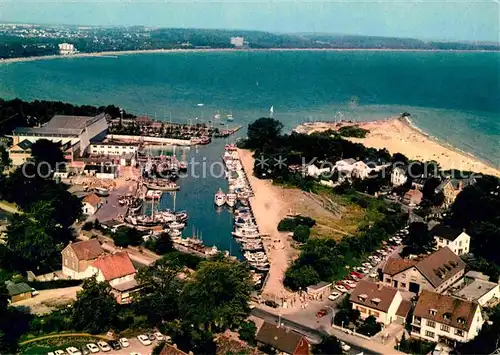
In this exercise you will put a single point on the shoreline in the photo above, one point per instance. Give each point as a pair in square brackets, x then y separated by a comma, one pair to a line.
[401, 135]
[208, 50]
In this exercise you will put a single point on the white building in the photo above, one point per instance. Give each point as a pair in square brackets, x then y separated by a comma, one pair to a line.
[91, 204]
[66, 49]
[398, 176]
[486, 293]
[446, 319]
[73, 131]
[458, 241]
[385, 303]
[78, 257]
[113, 148]
[237, 41]
[435, 272]
[314, 171]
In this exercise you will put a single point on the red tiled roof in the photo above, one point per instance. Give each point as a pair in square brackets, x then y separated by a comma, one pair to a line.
[394, 266]
[403, 308]
[280, 338]
[115, 265]
[455, 309]
[92, 199]
[367, 291]
[87, 250]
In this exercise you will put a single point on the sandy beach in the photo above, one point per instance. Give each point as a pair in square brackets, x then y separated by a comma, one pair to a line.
[208, 50]
[399, 135]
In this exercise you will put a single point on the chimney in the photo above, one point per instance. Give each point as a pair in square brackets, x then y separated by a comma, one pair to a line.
[379, 286]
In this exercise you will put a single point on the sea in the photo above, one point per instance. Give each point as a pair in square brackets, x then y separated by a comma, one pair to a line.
[453, 96]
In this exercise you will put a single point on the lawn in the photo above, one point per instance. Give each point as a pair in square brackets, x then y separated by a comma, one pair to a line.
[50, 345]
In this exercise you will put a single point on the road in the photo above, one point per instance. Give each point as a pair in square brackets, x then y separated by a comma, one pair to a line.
[48, 300]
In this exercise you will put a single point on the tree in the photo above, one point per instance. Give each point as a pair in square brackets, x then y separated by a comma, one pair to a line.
[218, 294]
[159, 291]
[420, 240]
[5, 161]
[369, 327]
[163, 244]
[329, 345]
[300, 276]
[263, 131]
[48, 153]
[301, 234]
[126, 236]
[248, 331]
[95, 308]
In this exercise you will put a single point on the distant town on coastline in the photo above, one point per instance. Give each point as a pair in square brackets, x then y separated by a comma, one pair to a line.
[31, 40]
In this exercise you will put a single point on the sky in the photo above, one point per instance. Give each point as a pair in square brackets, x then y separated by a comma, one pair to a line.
[471, 20]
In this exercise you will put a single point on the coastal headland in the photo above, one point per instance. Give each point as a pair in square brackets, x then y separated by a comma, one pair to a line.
[399, 135]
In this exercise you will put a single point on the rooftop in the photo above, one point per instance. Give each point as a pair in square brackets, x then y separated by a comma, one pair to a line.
[62, 125]
[115, 265]
[446, 232]
[373, 295]
[87, 250]
[92, 199]
[17, 289]
[446, 309]
[319, 286]
[280, 338]
[476, 289]
[477, 275]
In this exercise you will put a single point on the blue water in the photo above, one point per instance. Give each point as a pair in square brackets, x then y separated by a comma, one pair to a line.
[453, 96]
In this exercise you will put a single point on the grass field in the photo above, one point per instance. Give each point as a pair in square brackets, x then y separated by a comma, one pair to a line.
[50, 345]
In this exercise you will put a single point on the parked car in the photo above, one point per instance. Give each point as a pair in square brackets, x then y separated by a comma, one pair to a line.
[334, 295]
[73, 351]
[134, 353]
[92, 347]
[85, 351]
[373, 275]
[144, 339]
[340, 283]
[345, 346]
[114, 344]
[151, 336]
[50, 353]
[59, 352]
[271, 303]
[350, 283]
[159, 336]
[374, 263]
[367, 264]
[124, 342]
[357, 274]
[364, 270]
[103, 346]
[341, 288]
[321, 313]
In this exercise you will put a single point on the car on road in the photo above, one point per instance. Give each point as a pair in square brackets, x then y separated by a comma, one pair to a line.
[73, 351]
[114, 344]
[321, 313]
[334, 295]
[341, 288]
[103, 346]
[159, 336]
[92, 347]
[345, 346]
[144, 339]
[271, 303]
[124, 342]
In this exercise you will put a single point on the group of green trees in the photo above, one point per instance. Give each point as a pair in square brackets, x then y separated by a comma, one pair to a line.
[300, 226]
[188, 307]
[35, 238]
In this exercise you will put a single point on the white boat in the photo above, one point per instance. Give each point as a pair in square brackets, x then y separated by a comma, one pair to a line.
[176, 225]
[231, 199]
[217, 116]
[220, 198]
[153, 195]
[174, 233]
[239, 234]
[230, 117]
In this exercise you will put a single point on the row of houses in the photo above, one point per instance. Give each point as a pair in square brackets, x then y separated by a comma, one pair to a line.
[86, 259]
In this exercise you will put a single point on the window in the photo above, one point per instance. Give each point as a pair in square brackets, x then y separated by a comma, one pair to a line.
[459, 333]
[404, 276]
[431, 324]
[447, 242]
[460, 243]
[432, 312]
[440, 240]
[388, 280]
[445, 328]
[429, 334]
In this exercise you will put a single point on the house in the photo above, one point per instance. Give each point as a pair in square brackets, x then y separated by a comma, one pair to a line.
[446, 319]
[418, 183]
[77, 257]
[20, 153]
[378, 300]
[91, 204]
[172, 350]
[117, 270]
[345, 167]
[413, 198]
[472, 275]
[399, 176]
[435, 272]
[360, 170]
[112, 225]
[452, 187]
[457, 240]
[285, 340]
[102, 171]
[322, 289]
[18, 292]
[486, 293]
[315, 171]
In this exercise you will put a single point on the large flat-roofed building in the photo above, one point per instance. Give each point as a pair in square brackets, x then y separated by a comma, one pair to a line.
[75, 131]
[113, 148]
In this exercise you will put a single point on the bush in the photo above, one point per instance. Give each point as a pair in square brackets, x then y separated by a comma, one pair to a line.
[287, 225]
[369, 327]
[247, 332]
[87, 226]
[126, 236]
[47, 285]
[301, 234]
[353, 131]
